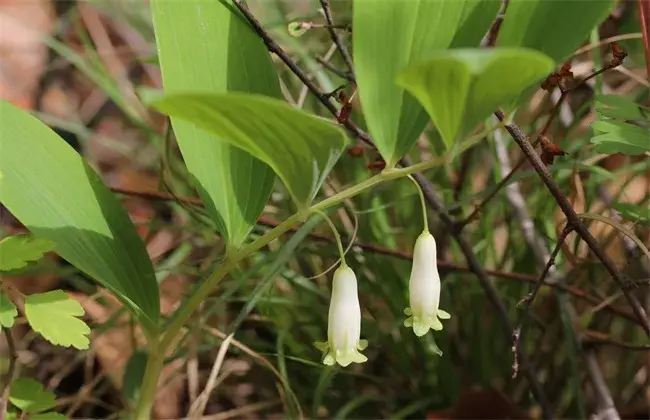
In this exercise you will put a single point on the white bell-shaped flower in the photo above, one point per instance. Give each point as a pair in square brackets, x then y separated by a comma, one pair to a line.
[424, 288]
[344, 322]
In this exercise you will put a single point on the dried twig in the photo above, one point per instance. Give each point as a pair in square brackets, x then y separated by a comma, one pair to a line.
[341, 73]
[528, 300]
[596, 338]
[325, 4]
[198, 406]
[572, 218]
[607, 409]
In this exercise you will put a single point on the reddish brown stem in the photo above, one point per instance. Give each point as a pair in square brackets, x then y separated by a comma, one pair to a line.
[644, 17]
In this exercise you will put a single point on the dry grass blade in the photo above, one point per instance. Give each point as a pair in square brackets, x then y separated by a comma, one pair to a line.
[198, 406]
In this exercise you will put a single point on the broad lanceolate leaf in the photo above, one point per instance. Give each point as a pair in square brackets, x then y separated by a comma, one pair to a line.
[461, 87]
[8, 311]
[206, 47]
[19, 250]
[299, 147]
[54, 315]
[391, 34]
[53, 192]
[30, 396]
[555, 28]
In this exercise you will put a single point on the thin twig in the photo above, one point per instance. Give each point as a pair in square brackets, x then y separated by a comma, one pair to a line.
[198, 406]
[553, 114]
[593, 338]
[323, 97]
[325, 4]
[607, 409]
[9, 376]
[337, 71]
[572, 218]
[528, 300]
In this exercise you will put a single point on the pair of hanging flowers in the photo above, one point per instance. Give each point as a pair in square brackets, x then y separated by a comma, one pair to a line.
[344, 343]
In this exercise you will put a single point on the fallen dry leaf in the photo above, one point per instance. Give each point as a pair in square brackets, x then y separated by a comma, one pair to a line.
[23, 55]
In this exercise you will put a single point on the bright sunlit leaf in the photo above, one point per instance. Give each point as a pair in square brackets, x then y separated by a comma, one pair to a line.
[461, 87]
[206, 47]
[300, 147]
[392, 34]
[19, 250]
[53, 191]
[8, 311]
[55, 316]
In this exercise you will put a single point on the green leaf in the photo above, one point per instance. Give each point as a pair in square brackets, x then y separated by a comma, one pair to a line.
[206, 47]
[30, 396]
[48, 416]
[459, 88]
[476, 19]
[555, 28]
[19, 250]
[133, 374]
[391, 34]
[299, 147]
[618, 137]
[634, 212]
[58, 197]
[8, 310]
[54, 315]
[615, 131]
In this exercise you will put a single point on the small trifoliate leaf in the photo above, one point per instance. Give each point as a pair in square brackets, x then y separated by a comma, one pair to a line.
[8, 310]
[30, 396]
[53, 315]
[19, 250]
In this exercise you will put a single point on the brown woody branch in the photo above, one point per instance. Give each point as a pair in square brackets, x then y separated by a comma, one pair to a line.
[325, 4]
[572, 218]
[528, 300]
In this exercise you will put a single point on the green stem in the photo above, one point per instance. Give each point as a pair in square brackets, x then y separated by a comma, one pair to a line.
[149, 386]
[157, 350]
[423, 202]
[339, 244]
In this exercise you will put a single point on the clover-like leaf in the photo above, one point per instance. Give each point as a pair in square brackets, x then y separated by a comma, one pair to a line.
[30, 396]
[8, 310]
[54, 315]
[19, 250]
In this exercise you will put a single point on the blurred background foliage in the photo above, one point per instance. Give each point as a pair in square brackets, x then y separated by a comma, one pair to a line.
[77, 65]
